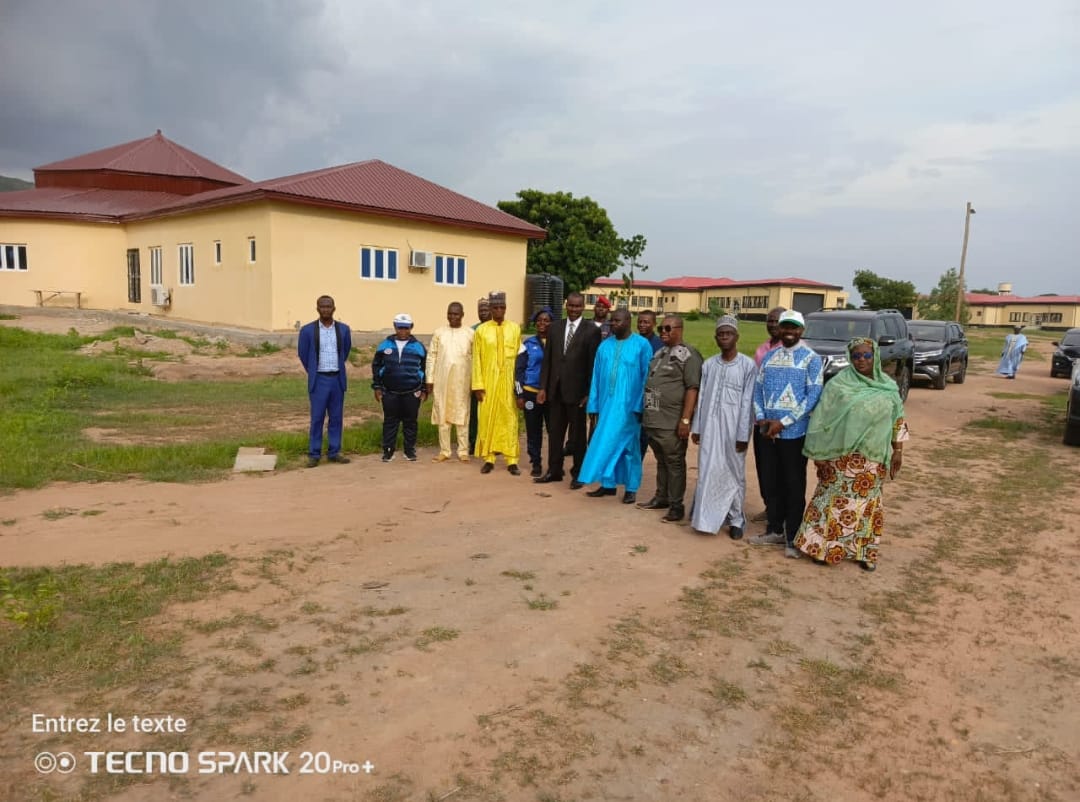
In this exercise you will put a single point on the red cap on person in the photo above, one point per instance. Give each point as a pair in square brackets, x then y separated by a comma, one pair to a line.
[603, 301]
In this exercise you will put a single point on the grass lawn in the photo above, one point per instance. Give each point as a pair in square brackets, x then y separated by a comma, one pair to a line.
[52, 394]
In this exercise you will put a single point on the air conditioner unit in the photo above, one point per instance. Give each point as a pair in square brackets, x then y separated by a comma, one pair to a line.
[159, 295]
[424, 259]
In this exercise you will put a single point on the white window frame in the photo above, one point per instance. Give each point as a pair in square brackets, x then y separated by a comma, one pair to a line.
[217, 252]
[389, 264]
[445, 264]
[251, 250]
[18, 260]
[185, 254]
[156, 276]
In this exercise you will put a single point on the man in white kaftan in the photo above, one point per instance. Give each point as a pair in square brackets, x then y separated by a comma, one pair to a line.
[721, 428]
[450, 380]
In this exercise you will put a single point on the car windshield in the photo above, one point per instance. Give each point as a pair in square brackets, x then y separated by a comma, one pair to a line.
[927, 334]
[838, 329]
[1071, 339]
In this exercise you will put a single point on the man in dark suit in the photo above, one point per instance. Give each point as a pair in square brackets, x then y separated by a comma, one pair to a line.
[565, 378]
[323, 346]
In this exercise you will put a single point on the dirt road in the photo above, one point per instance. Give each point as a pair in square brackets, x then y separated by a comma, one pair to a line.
[482, 637]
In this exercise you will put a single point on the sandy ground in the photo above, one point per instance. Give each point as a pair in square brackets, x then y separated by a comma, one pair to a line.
[671, 666]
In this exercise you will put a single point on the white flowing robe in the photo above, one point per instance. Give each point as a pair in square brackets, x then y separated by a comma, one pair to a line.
[450, 373]
[723, 417]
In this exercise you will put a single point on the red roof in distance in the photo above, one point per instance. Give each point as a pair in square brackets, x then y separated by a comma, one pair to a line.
[984, 299]
[698, 283]
[153, 155]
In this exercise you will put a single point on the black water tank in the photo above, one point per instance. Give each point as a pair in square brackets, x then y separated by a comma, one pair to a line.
[542, 289]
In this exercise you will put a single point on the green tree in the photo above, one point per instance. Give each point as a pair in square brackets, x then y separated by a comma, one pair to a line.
[581, 243]
[879, 292]
[940, 304]
[630, 253]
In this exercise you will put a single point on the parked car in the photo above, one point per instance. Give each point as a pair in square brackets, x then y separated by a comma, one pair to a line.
[828, 333]
[1068, 351]
[1072, 409]
[941, 351]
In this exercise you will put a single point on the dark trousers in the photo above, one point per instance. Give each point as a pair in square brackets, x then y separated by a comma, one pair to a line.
[327, 401]
[784, 469]
[474, 418]
[536, 420]
[400, 409]
[670, 453]
[759, 443]
[563, 417]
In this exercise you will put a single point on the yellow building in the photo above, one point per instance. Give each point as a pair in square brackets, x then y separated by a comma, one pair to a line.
[752, 299]
[152, 227]
[1045, 311]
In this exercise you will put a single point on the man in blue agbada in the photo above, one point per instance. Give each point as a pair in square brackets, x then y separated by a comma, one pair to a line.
[616, 397]
[1013, 353]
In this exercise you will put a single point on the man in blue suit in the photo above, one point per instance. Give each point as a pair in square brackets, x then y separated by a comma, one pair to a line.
[323, 347]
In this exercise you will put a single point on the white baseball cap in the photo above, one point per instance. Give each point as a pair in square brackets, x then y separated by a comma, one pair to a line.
[791, 316]
[403, 320]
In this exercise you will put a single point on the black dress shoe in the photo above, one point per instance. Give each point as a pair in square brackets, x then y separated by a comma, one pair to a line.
[576, 485]
[601, 491]
[488, 467]
[674, 514]
[654, 504]
[629, 497]
[513, 470]
[547, 477]
[536, 471]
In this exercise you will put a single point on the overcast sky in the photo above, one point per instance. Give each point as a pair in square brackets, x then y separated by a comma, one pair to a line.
[743, 139]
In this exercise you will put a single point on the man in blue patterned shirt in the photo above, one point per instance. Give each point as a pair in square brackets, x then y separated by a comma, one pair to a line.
[787, 389]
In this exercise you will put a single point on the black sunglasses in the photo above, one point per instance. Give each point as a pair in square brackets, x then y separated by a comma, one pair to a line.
[667, 327]
[862, 354]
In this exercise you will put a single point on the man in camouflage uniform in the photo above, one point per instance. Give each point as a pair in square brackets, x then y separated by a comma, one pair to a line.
[671, 391]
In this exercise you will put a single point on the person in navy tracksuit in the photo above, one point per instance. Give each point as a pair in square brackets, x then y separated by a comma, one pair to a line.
[399, 372]
[323, 347]
[527, 384]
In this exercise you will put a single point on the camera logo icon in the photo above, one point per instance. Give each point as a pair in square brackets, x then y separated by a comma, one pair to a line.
[61, 762]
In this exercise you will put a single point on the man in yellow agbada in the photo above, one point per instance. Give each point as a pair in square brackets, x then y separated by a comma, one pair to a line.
[495, 347]
[450, 381]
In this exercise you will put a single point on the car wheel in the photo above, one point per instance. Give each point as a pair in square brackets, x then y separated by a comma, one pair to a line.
[959, 377]
[903, 382]
[1072, 434]
[943, 375]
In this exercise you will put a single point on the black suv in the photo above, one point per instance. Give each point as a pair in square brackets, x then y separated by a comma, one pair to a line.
[828, 333]
[941, 351]
[1067, 351]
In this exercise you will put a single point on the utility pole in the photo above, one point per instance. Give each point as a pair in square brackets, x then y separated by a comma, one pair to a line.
[963, 258]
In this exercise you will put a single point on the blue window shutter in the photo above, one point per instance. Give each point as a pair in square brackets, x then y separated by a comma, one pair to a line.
[365, 263]
[461, 272]
[378, 263]
[391, 257]
[450, 271]
[438, 270]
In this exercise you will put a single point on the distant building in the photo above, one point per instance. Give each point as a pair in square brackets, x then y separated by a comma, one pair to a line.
[150, 226]
[1046, 311]
[752, 298]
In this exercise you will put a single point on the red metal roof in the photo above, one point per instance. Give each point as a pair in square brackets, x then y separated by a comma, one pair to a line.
[154, 155]
[697, 283]
[374, 187]
[983, 299]
[87, 204]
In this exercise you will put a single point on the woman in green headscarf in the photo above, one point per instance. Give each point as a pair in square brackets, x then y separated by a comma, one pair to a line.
[855, 436]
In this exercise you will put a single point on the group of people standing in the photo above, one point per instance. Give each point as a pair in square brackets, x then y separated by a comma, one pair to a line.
[605, 393]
